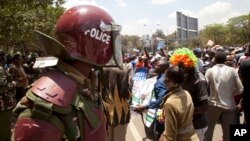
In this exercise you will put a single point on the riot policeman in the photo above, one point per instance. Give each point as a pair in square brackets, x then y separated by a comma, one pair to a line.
[66, 103]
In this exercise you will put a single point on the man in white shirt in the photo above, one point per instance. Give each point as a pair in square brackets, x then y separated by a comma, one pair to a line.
[224, 83]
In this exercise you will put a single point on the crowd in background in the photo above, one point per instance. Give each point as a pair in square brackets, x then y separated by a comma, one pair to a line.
[17, 74]
[217, 85]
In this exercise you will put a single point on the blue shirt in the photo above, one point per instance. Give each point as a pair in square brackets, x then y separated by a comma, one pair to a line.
[160, 90]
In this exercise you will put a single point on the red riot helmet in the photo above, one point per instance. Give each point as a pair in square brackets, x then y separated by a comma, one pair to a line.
[87, 33]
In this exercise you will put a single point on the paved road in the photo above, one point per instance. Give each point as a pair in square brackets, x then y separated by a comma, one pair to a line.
[136, 131]
[217, 133]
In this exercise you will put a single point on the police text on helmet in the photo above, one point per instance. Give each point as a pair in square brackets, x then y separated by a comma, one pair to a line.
[98, 35]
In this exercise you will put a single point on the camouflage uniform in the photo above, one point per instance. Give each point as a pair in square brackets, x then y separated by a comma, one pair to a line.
[19, 75]
[7, 103]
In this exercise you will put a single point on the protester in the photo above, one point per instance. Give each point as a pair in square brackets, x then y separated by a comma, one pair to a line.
[160, 90]
[195, 83]
[128, 65]
[65, 103]
[198, 52]
[224, 83]
[19, 75]
[244, 69]
[141, 71]
[178, 109]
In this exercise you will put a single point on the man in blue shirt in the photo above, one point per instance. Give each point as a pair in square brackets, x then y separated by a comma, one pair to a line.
[160, 91]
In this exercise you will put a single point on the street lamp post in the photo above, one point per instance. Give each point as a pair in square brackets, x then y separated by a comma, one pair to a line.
[149, 38]
[167, 37]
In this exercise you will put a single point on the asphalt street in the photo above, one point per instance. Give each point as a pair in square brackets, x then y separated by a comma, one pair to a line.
[136, 130]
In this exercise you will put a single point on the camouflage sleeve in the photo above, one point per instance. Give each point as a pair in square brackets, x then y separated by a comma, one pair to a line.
[3, 80]
[4, 84]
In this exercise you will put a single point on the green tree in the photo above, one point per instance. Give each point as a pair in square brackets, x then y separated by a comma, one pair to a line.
[215, 32]
[194, 42]
[22, 17]
[131, 41]
[239, 29]
[235, 32]
[159, 33]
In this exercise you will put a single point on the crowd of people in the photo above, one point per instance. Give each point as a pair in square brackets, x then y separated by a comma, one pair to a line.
[195, 88]
[214, 78]
[16, 74]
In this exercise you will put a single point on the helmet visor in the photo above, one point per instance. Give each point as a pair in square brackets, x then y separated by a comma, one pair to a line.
[117, 47]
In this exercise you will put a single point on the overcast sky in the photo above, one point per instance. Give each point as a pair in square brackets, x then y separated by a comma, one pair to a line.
[133, 15]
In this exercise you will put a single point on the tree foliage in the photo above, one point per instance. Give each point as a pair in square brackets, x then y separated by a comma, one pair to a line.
[159, 33]
[215, 32]
[239, 29]
[129, 42]
[19, 19]
[235, 32]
